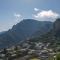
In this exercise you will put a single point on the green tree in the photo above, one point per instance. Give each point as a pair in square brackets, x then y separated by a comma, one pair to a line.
[58, 56]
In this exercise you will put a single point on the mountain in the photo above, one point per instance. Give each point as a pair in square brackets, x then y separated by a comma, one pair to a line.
[43, 29]
[52, 37]
[57, 27]
[54, 34]
[24, 30]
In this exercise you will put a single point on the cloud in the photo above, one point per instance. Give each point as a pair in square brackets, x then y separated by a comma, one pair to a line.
[18, 17]
[44, 15]
[36, 9]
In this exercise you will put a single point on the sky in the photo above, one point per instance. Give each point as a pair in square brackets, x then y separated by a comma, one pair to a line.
[14, 11]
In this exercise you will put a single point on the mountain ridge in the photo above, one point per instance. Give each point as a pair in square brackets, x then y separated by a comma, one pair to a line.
[53, 36]
[22, 31]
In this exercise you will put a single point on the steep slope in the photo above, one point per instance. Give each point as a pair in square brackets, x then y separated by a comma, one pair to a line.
[23, 30]
[43, 30]
[53, 36]
[57, 27]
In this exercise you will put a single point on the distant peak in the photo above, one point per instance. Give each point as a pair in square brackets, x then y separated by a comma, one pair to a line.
[57, 25]
[58, 19]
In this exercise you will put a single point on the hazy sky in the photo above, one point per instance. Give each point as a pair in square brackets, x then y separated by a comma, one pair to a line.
[13, 11]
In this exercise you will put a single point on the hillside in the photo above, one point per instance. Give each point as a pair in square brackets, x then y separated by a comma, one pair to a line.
[23, 30]
[53, 36]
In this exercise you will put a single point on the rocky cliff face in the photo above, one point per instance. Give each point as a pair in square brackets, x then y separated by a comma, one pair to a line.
[57, 27]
